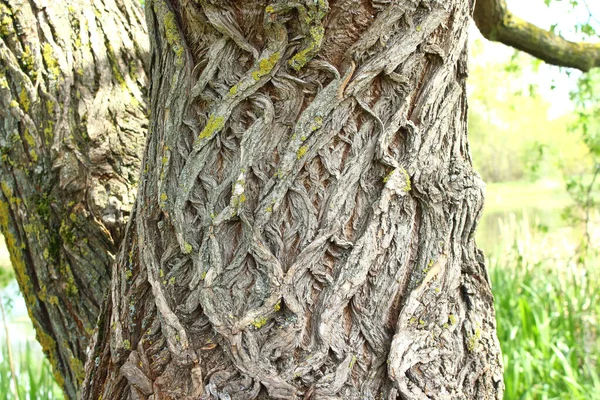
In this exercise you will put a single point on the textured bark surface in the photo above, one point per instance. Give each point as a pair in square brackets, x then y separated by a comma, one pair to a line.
[305, 221]
[72, 126]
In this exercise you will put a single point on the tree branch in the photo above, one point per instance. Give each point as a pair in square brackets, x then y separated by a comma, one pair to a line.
[498, 24]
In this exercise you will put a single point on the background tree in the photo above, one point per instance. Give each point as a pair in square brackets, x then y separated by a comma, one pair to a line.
[320, 184]
[73, 121]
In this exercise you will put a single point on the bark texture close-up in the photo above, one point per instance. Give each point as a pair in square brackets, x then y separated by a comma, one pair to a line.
[305, 222]
[73, 124]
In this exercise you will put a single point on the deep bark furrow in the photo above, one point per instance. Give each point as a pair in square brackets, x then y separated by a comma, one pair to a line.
[73, 120]
[304, 227]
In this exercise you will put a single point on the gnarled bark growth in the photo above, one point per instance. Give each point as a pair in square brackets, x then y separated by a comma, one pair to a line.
[73, 121]
[305, 221]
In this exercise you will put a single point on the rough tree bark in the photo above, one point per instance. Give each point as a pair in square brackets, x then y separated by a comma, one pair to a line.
[73, 122]
[306, 215]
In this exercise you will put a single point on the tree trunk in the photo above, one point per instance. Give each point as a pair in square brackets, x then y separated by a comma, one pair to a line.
[306, 215]
[73, 121]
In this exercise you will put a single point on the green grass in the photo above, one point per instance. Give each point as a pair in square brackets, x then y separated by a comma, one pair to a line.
[547, 306]
[33, 373]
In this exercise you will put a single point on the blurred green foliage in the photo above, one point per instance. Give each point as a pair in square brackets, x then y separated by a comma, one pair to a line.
[547, 310]
[512, 133]
[585, 188]
[6, 273]
[33, 370]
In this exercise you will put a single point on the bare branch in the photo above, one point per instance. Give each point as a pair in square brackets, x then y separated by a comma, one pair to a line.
[498, 24]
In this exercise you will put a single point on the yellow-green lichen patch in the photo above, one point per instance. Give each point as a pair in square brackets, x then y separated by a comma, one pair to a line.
[318, 124]
[27, 58]
[452, 319]
[299, 60]
[42, 293]
[259, 322]
[233, 91]
[31, 143]
[77, 368]
[428, 267]
[3, 81]
[33, 155]
[6, 22]
[277, 306]
[304, 56]
[66, 232]
[301, 152]
[474, 340]
[407, 185]
[112, 58]
[352, 362]
[71, 289]
[214, 124]
[187, 248]
[163, 197]
[28, 62]
[89, 330]
[24, 99]
[173, 37]
[388, 176]
[126, 344]
[133, 71]
[15, 250]
[265, 66]
[50, 60]
[49, 131]
[50, 108]
[49, 347]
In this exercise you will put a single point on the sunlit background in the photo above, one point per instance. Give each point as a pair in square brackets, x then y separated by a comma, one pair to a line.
[528, 141]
